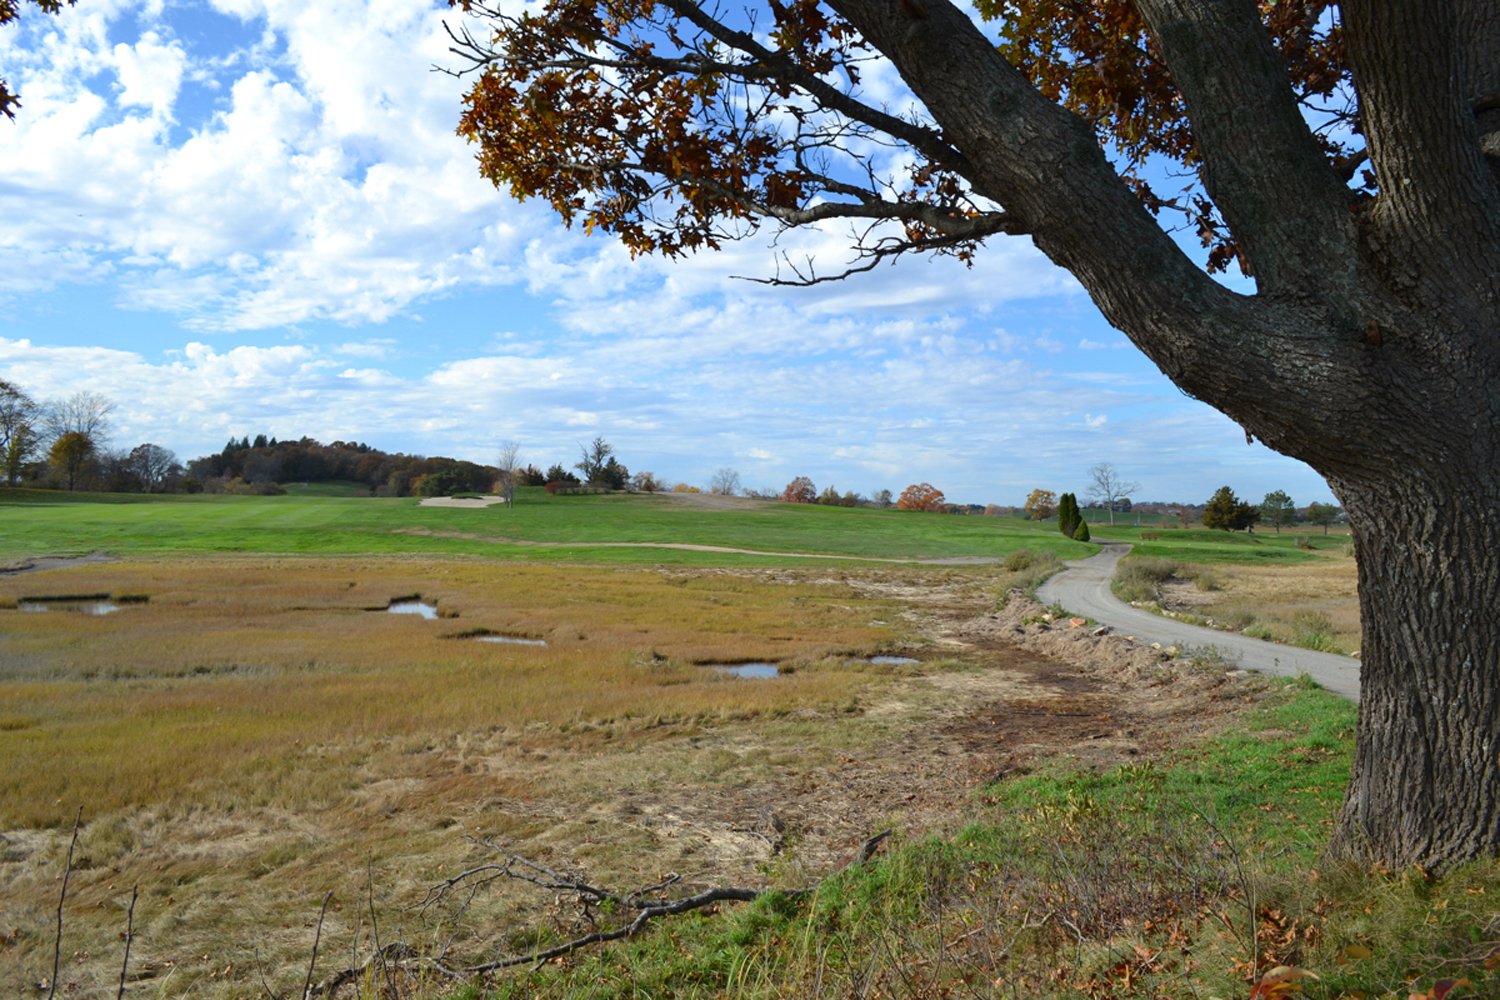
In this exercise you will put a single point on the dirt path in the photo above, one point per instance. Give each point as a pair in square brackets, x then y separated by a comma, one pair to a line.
[1083, 588]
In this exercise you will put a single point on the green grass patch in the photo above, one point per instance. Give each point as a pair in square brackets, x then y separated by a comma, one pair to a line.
[1200, 545]
[601, 528]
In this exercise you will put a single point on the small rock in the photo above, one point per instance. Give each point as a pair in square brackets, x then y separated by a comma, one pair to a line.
[1156, 645]
[1101, 630]
[1078, 622]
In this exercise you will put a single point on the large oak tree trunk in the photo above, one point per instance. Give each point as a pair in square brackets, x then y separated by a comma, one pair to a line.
[1426, 781]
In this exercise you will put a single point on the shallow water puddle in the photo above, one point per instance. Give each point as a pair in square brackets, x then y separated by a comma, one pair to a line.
[427, 611]
[899, 661]
[510, 640]
[94, 609]
[754, 671]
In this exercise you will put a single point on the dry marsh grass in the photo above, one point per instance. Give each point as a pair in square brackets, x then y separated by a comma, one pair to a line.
[234, 672]
[252, 734]
[1314, 604]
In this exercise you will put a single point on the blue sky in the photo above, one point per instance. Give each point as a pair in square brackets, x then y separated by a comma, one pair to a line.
[252, 216]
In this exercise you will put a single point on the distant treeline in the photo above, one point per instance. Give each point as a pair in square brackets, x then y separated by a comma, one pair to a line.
[262, 465]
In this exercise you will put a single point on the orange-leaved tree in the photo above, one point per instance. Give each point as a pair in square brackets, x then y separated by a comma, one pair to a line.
[1040, 504]
[922, 496]
[800, 490]
[1345, 156]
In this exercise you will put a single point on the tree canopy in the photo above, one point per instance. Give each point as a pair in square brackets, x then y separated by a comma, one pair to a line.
[922, 496]
[1278, 510]
[1040, 504]
[1227, 512]
[800, 490]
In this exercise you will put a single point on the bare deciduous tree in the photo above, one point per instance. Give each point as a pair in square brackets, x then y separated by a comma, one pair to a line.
[84, 412]
[508, 464]
[1106, 486]
[725, 482]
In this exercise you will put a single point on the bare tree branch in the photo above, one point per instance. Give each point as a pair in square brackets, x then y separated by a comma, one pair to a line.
[312, 963]
[135, 892]
[926, 141]
[61, 898]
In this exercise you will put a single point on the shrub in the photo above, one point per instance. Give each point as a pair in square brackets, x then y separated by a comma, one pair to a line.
[1204, 579]
[1313, 630]
[1139, 579]
[1081, 533]
[1027, 569]
[1025, 559]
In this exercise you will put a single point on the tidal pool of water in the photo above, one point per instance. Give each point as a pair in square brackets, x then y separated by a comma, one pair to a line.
[511, 640]
[427, 611]
[754, 671]
[893, 660]
[92, 608]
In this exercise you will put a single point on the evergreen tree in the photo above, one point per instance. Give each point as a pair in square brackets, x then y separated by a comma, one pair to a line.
[1226, 512]
[1068, 517]
[1081, 533]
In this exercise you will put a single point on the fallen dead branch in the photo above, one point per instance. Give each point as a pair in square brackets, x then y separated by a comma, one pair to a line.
[644, 905]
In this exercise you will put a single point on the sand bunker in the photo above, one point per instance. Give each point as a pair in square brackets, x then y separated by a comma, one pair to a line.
[487, 501]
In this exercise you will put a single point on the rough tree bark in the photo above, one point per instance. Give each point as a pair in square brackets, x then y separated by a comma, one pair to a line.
[1370, 348]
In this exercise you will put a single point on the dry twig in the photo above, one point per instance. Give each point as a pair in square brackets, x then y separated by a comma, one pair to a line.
[317, 936]
[62, 896]
[135, 892]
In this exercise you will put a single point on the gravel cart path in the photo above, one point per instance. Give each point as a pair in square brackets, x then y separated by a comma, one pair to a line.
[1083, 588]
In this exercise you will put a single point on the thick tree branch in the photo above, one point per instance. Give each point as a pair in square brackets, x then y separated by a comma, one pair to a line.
[1044, 165]
[1436, 189]
[1479, 40]
[1261, 163]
